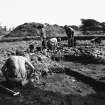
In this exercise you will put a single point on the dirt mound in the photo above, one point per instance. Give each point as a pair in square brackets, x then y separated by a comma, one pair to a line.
[33, 29]
[26, 29]
[55, 30]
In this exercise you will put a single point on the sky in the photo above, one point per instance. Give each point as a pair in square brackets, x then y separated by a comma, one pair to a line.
[61, 12]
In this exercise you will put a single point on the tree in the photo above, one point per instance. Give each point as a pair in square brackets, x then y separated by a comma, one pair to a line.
[5, 28]
[90, 25]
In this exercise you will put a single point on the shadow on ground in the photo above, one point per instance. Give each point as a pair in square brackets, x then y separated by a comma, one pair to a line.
[38, 96]
[97, 85]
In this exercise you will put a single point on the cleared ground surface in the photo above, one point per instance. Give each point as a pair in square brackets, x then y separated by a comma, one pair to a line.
[67, 88]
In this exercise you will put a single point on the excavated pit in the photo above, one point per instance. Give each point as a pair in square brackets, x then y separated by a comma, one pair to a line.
[68, 83]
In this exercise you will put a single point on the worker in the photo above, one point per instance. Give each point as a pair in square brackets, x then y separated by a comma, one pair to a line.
[70, 34]
[14, 69]
[52, 44]
[31, 48]
[43, 37]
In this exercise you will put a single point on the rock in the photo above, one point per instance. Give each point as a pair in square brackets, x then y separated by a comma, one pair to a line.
[43, 63]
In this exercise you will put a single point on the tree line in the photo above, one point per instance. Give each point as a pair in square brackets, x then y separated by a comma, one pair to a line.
[90, 26]
[4, 30]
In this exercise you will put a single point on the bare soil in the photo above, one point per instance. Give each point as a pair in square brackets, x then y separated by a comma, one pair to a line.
[81, 84]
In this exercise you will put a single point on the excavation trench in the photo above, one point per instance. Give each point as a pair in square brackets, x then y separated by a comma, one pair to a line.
[95, 84]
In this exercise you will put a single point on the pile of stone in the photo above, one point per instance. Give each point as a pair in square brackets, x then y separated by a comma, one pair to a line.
[99, 55]
[45, 64]
[92, 55]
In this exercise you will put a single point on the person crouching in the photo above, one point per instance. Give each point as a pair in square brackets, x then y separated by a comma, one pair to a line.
[14, 69]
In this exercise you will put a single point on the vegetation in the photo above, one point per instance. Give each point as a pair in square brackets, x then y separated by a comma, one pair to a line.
[33, 30]
[90, 26]
[74, 84]
[4, 30]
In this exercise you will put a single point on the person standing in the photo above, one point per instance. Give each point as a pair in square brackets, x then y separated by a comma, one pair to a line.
[43, 37]
[70, 34]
